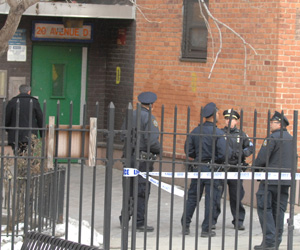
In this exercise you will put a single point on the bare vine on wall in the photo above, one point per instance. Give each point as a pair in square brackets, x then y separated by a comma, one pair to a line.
[203, 6]
[139, 8]
[218, 23]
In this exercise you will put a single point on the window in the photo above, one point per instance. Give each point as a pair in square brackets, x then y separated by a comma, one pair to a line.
[58, 80]
[194, 36]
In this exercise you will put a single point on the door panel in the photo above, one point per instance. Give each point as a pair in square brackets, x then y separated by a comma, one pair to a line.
[56, 76]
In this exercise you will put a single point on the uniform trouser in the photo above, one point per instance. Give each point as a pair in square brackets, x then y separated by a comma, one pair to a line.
[271, 211]
[142, 202]
[141, 199]
[233, 199]
[191, 202]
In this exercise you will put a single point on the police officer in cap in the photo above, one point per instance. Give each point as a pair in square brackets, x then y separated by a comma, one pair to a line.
[237, 140]
[192, 144]
[275, 155]
[147, 100]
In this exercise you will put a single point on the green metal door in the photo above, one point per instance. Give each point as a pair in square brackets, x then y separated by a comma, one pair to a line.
[56, 76]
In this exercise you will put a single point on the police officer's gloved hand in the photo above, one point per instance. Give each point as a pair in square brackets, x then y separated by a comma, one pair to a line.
[246, 152]
[235, 155]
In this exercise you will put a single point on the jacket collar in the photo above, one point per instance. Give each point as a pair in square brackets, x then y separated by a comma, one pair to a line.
[278, 130]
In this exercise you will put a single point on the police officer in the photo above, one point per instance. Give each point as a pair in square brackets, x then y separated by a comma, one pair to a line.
[238, 140]
[192, 145]
[146, 99]
[275, 154]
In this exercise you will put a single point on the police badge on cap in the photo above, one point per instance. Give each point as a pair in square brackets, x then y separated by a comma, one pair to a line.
[278, 117]
[230, 112]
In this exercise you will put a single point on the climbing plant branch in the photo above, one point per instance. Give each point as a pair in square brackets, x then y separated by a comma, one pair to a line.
[139, 8]
[217, 22]
[208, 28]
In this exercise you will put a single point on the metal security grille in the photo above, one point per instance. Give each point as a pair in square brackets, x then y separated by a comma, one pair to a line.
[87, 185]
[35, 241]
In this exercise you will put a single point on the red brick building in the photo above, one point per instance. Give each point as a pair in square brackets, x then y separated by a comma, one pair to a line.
[268, 80]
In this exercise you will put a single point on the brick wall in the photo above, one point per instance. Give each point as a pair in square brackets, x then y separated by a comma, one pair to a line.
[105, 55]
[272, 76]
[121, 56]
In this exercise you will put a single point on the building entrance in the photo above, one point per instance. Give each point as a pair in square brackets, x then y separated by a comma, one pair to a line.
[59, 74]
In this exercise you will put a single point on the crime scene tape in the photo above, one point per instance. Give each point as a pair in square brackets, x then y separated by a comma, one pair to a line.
[131, 172]
[164, 186]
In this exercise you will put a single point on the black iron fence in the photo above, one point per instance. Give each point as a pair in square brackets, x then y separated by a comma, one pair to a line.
[34, 211]
[48, 197]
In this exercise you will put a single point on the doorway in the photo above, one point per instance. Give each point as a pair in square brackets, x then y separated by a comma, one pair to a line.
[59, 74]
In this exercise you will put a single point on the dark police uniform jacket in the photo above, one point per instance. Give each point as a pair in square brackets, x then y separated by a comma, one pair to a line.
[192, 144]
[148, 138]
[10, 117]
[280, 154]
[145, 138]
[236, 136]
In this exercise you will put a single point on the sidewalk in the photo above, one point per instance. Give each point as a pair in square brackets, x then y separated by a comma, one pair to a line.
[166, 241]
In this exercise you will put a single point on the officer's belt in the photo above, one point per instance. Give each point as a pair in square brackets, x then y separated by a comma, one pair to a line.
[197, 162]
[235, 167]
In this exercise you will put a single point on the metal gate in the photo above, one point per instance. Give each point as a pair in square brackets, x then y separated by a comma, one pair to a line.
[94, 189]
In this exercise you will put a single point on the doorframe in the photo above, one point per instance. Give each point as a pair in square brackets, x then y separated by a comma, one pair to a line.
[83, 81]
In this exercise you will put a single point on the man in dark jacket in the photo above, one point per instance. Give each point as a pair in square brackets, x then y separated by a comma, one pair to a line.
[275, 155]
[193, 145]
[146, 139]
[238, 141]
[24, 98]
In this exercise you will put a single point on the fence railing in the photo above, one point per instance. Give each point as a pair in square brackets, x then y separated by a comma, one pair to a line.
[35, 211]
[48, 197]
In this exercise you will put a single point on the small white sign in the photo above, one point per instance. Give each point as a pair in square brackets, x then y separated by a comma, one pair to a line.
[16, 53]
[17, 47]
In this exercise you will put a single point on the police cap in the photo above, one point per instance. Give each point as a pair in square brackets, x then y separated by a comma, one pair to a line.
[147, 98]
[209, 109]
[278, 116]
[234, 114]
